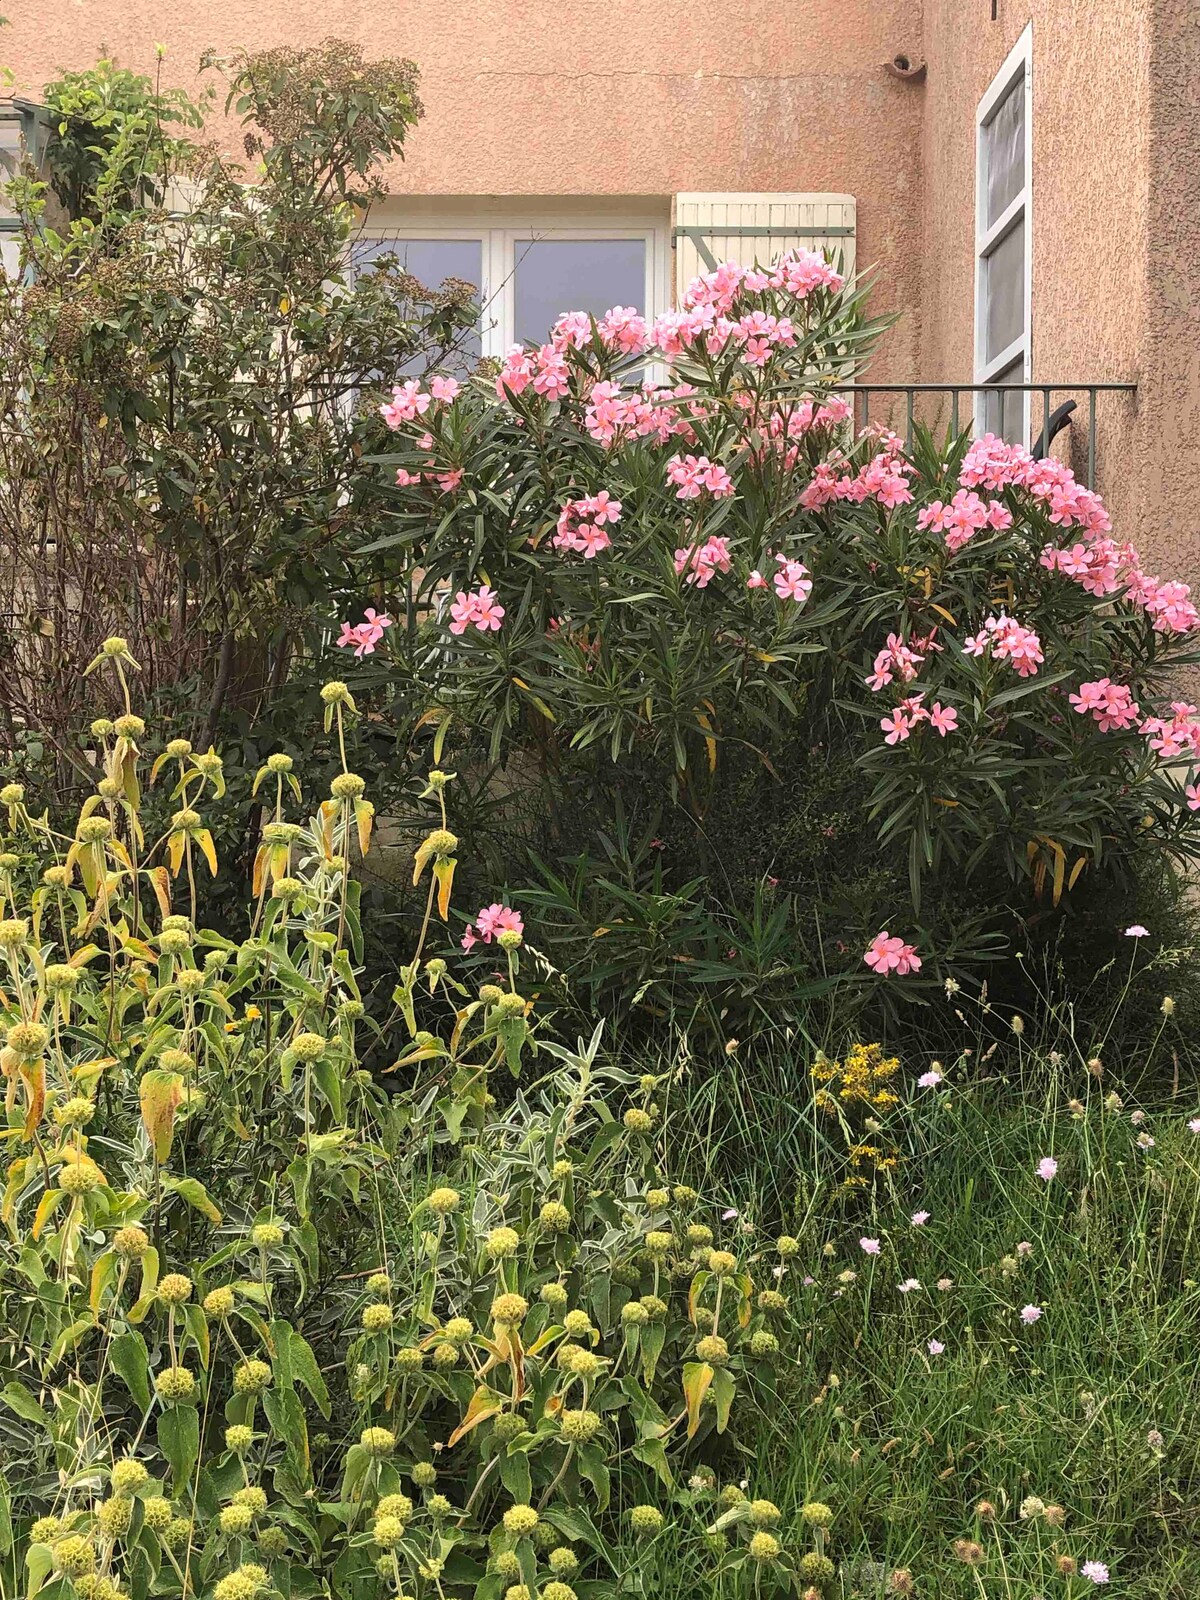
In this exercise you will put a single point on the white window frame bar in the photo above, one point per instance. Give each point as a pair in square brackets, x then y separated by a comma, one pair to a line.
[501, 242]
[1017, 64]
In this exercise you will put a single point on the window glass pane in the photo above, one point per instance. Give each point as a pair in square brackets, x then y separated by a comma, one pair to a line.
[1004, 151]
[1004, 414]
[431, 262]
[557, 275]
[1004, 292]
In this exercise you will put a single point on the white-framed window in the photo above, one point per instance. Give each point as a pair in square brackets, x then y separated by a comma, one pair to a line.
[532, 259]
[1004, 243]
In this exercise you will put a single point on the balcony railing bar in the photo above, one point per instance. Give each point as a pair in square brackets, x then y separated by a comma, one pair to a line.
[1047, 392]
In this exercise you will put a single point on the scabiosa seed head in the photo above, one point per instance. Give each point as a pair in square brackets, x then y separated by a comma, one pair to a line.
[156, 1513]
[395, 1505]
[27, 1040]
[520, 1520]
[712, 1349]
[501, 1243]
[252, 1377]
[175, 1383]
[131, 1243]
[74, 1113]
[75, 1555]
[1066, 1566]
[81, 1178]
[765, 1546]
[969, 1552]
[174, 1289]
[377, 1442]
[646, 1520]
[509, 1309]
[579, 1427]
[387, 1532]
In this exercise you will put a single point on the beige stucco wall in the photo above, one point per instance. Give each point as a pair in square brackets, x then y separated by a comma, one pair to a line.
[592, 97]
[1093, 259]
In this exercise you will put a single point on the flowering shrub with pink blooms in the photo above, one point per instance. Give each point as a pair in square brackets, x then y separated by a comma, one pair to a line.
[658, 541]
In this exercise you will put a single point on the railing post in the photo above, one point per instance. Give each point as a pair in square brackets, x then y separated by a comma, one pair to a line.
[1091, 466]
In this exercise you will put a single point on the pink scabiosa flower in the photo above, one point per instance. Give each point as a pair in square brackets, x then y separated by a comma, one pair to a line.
[919, 1218]
[929, 1080]
[1136, 931]
[869, 1247]
[1095, 1571]
[1031, 1314]
[1194, 1125]
[909, 1285]
[935, 1347]
[1046, 1168]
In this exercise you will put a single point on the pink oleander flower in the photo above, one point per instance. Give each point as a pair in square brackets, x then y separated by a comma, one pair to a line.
[449, 481]
[1111, 704]
[943, 718]
[1193, 796]
[929, 1080]
[479, 609]
[702, 562]
[364, 636]
[756, 580]
[792, 581]
[888, 954]
[408, 402]
[697, 475]
[1031, 1314]
[623, 329]
[897, 727]
[515, 375]
[445, 389]
[869, 1247]
[490, 921]
[935, 1347]
[1095, 1571]
[1046, 1168]
[895, 658]
[406, 479]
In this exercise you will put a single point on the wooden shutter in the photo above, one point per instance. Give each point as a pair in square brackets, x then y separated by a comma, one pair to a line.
[709, 228]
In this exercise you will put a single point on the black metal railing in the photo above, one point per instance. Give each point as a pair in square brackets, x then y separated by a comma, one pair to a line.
[942, 404]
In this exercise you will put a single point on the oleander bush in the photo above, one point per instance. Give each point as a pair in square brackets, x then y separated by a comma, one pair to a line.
[655, 569]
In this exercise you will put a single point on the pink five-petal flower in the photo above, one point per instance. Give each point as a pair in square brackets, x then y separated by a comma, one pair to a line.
[468, 939]
[1193, 796]
[883, 952]
[896, 728]
[943, 718]
[757, 581]
[488, 613]
[445, 389]
[462, 612]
